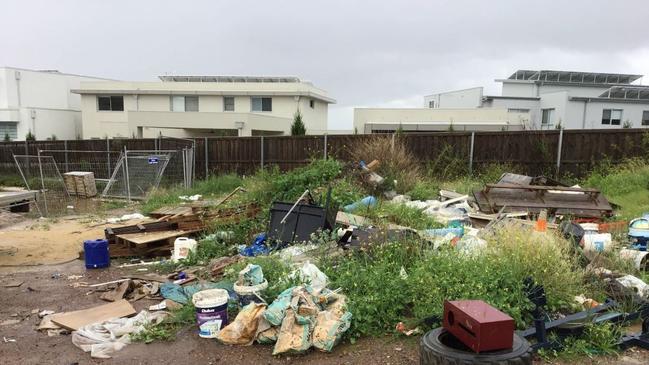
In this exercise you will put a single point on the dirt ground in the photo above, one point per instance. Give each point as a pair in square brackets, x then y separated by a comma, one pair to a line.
[47, 287]
[43, 241]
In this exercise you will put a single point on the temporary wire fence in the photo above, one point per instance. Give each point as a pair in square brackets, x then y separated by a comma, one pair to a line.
[41, 173]
[139, 172]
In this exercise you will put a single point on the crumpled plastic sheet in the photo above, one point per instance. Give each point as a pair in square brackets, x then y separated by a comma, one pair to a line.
[104, 339]
[183, 294]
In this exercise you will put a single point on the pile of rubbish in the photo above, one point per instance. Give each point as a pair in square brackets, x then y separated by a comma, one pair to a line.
[301, 317]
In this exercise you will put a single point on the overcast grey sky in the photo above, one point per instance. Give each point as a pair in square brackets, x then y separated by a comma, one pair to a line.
[364, 53]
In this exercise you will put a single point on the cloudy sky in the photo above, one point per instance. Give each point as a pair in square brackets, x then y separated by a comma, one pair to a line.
[364, 53]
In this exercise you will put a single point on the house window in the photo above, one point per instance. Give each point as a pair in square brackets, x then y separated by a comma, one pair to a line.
[260, 104]
[431, 104]
[518, 110]
[548, 117]
[645, 117]
[312, 103]
[611, 116]
[8, 129]
[228, 103]
[184, 103]
[110, 103]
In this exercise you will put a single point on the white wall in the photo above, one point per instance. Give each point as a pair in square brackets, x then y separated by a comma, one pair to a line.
[524, 89]
[151, 111]
[471, 117]
[42, 102]
[467, 98]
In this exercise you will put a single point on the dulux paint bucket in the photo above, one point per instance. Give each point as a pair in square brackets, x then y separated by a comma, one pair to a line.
[211, 311]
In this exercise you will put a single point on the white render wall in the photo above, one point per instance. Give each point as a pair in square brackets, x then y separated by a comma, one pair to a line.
[467, 98]
[41, 102]
[151, 114]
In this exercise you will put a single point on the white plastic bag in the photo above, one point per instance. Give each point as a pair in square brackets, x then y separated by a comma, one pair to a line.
[310, 274]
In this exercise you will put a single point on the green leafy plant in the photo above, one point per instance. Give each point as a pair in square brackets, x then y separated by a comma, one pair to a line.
[298, 128]
[7, 138]
[167, 329]
[30, 136]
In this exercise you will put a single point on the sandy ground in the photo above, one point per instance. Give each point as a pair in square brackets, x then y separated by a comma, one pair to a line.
[46, 241]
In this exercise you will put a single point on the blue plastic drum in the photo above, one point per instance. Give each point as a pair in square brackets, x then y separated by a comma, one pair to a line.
[96, 254]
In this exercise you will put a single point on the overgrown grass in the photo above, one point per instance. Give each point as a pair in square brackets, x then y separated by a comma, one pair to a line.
[11, 180]
[380, 295]
[400, 214]
[626, 184]
[596, 340]
[210, 188]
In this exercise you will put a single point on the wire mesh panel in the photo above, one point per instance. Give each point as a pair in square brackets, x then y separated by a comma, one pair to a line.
[42, 173]
[136, 174]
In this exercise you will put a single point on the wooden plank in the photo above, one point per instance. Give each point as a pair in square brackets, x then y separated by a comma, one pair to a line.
[77, 319]
[148, 237]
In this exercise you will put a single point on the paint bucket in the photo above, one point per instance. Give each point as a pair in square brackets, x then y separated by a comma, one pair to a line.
[639, 258]
[182, 247]
[95, 254]
[250, 294]
[597, 242]
[211, 311]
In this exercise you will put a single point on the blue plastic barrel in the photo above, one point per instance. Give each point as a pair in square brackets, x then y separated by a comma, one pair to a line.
[95, 253]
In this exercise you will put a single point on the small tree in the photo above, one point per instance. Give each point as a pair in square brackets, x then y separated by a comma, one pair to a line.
[7, 138]
[297, 128]
[30, 136]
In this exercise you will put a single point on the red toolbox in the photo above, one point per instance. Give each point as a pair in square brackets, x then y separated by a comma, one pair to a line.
[478, 325]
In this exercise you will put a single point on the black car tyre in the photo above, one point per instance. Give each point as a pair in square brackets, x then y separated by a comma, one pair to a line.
[439, 347]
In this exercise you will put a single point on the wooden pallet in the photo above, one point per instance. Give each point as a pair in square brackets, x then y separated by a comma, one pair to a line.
[147, 243]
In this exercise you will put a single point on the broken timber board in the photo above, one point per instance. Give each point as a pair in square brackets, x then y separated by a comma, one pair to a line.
[77, 319]
[149, 237]
[349, 219]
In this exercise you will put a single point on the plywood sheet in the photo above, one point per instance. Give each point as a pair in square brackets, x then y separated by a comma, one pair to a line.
[77, 319]
[148, 237]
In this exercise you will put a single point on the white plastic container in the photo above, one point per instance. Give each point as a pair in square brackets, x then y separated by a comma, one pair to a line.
[597, 242]
[182, 247]
[211, 311]
[639, 258]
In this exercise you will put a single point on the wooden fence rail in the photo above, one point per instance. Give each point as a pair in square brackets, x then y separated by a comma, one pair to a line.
[536, 152]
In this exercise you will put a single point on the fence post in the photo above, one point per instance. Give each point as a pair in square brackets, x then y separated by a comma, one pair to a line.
[108, 156]
[262, 152]
[65, 147]
[128, 181]
[207, 168]
[471, 153]
[325, 146]
[40, 168]
[559, 151]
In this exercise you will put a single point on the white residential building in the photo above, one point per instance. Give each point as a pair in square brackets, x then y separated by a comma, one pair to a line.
[566, 99]
[40, 102]
[199, 106]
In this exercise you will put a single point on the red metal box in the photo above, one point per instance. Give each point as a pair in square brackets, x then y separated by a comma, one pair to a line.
[478, 325]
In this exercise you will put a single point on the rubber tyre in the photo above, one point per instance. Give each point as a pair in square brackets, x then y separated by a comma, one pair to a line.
[434, 352]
